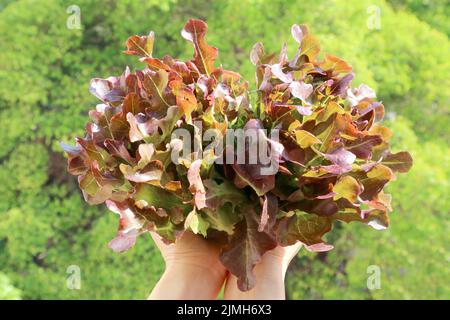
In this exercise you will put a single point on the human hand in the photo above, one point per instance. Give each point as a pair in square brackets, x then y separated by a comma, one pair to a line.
[193, 270]
[270, 274]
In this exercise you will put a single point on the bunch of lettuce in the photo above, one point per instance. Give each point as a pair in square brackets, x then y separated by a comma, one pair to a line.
[332, 154]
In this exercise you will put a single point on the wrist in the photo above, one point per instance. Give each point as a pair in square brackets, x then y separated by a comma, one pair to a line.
[196, 269]
[188, 280]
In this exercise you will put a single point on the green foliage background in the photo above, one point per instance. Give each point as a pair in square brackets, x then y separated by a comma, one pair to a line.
[45, 69]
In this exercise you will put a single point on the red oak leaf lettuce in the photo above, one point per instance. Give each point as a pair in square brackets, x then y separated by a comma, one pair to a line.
[331, 155]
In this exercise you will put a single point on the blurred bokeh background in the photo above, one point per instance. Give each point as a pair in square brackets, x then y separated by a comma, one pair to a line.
[50, 49]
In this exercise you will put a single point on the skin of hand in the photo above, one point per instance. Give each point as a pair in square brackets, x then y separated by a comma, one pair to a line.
[270, 274]
[194, 271]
